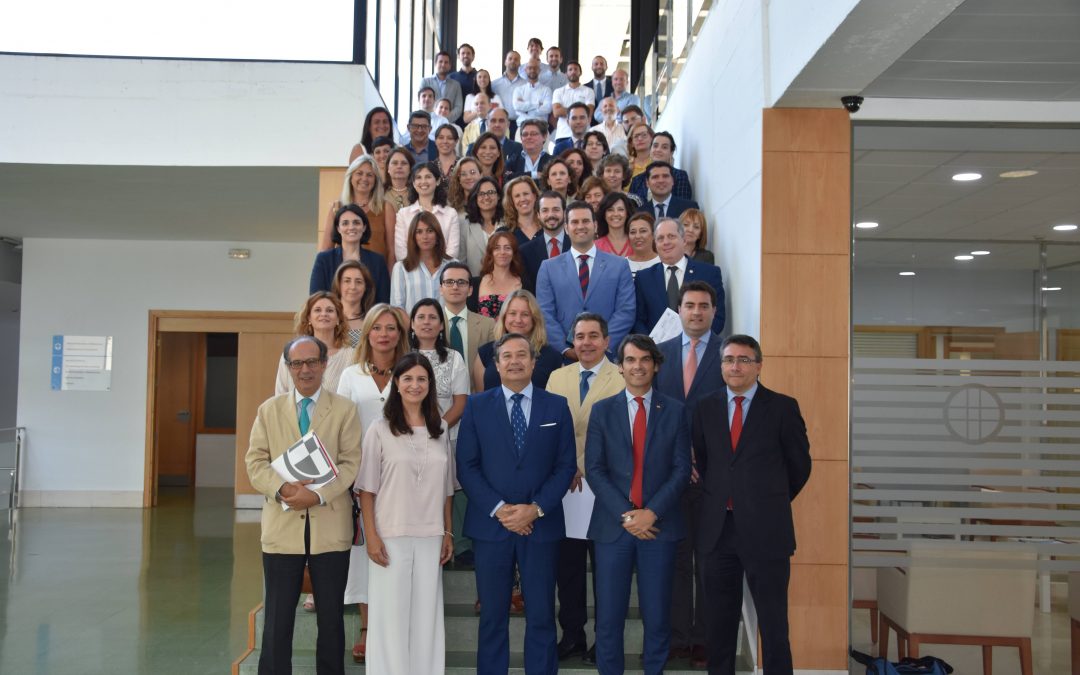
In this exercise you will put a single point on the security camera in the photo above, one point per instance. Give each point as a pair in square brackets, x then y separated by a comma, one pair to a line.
[852, 103]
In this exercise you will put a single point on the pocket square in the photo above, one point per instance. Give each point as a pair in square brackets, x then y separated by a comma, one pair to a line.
[549, 424]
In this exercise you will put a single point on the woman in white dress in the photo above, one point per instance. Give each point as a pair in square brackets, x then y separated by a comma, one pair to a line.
[367, 384]
[406, 486]
[322, 316]
[427, 335]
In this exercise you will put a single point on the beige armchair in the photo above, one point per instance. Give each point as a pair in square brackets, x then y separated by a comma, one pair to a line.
[958, 596]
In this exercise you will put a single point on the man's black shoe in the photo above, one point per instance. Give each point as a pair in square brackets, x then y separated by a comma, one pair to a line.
[590, 656]
[568, 648]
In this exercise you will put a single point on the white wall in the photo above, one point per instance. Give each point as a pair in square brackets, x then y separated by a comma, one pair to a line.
[86, 448]
[66, 110]
[9, 361]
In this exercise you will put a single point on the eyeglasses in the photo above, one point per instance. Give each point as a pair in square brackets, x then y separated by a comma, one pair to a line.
[418, 127]
[460, 283]
[741, 360]
[300, 363]
[488, 193]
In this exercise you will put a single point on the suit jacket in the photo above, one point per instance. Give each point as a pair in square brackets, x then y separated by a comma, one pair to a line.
[562, 145]
[510, 149]
[707, 379]
[276, 428]
[761, 476]
[327, 262]
[608, 90]
[566, 382]
[609, 462]
[610, 294]
[481, 332]
[682, 189]
[674, 209]
[515, 164]
[650, 286]
[490, 471]
[533, 253]
[453, 92]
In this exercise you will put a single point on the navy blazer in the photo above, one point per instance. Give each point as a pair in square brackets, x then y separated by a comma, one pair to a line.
[327, 262]
[609, 90]
[650, 286]
[609, 465]
[533, 253]
[682, 189]
[761, 476]
[490, 471]
[510, 149]
[515, 164]
[562, 145]
[707, 379]
[674, 209]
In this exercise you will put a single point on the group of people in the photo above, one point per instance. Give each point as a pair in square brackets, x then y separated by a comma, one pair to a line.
[488, 336]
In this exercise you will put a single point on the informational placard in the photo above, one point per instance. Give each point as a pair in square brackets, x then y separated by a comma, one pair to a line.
[81, 363]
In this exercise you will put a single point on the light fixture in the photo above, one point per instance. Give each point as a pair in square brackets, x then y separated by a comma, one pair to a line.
[963, 257]
[907, 274]
[239, 253]
[965, 177]
[1051, 288]
[1066, 227]
[866, 225]
[1024, 173]
[980, 253]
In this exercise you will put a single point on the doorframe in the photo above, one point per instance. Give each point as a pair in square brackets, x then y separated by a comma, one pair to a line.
[193, 321]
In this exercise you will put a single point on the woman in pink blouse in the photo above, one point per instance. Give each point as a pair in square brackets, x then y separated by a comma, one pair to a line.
[406, 484]
[615, 209]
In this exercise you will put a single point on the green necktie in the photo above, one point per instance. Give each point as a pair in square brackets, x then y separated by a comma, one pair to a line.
[455, 336]
[305, 418]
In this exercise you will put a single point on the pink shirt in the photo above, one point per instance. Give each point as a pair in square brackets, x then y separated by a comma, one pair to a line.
[605, 245]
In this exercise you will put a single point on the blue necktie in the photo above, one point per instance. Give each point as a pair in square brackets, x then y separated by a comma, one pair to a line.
[305, 418]
[517, 423]
[583, 388]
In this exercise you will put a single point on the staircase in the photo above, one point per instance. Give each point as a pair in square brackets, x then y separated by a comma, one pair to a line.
[459, 594]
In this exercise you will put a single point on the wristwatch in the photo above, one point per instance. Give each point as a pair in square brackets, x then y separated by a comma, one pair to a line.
[539, 511]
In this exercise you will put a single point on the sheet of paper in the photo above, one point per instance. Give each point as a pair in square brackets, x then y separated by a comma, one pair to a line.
[669, 326]
[307, 459]
[577, 510]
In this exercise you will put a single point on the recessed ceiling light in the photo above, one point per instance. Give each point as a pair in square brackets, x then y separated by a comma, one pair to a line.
[866, 225]
[907, 274]
[1051, 288]
[239, 253]
[963, 257]
[1068, 227]
[964, 177]
[980, 253]
[1018, 174]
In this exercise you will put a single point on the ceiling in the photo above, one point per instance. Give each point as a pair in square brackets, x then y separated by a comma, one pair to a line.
[275, 204]
[1005, 50]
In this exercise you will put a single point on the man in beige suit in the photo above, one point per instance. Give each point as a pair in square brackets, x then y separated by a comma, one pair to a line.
[465, 332]
[317, 529]
[591, 379]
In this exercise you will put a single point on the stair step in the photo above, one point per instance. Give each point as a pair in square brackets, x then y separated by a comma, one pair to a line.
[464, 663]
[459, 587]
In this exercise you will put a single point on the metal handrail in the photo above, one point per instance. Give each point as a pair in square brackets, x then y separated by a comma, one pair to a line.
[16, 470]
[665, 71]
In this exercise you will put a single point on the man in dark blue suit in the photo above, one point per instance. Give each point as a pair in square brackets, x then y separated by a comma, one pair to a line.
[662, 203]
[532, 160]
[497, 123]
[637, 458]
[657, 287]
[553, 242]
[578, 120]
[516, 458]
[693, 372]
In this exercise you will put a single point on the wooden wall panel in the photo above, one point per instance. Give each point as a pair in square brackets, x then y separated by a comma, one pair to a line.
[256, 368]
[820, 384]
[807, 130]
[818, 616]
[791, 224]
[329, 192]
[806, 304]
[821, 515]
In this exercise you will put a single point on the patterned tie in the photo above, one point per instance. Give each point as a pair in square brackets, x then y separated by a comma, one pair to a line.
[638, 478]
[579, 144]
[689, 368]
[583, 388]
[659, 211]
[583, 274]
[736, 431]
[673, 288]
[554, 247]
[456, 343]
[305, 417]
[517, 423]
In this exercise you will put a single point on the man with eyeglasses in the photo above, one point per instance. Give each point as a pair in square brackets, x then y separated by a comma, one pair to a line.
[753, 456]
[465, 330]
[419, 143]
[532, 160]
[657, 287]
[316, 530]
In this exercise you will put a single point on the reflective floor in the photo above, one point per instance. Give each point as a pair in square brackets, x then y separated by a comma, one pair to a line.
[163, 590]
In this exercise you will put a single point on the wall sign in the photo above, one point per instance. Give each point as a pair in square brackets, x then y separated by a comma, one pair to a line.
[81, 363]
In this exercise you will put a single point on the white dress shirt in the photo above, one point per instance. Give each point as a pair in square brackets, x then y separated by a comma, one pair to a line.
[567, 96]
[532, 102]
[632, 408]
[680, 272]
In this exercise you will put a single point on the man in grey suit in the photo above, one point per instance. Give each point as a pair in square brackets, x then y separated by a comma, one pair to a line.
[445, 86]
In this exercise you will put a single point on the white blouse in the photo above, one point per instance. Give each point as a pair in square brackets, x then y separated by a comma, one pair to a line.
[451, 379]
[361, 389]
[408, 288]
[448, 220]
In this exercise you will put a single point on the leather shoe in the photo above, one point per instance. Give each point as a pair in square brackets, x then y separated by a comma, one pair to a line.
[590, 656]
[568, 648]
[679, 653]
[698, 659]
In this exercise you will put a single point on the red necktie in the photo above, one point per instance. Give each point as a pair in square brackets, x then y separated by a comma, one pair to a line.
[554, 248]
[583, 274]
[736, 430]
[639, 453]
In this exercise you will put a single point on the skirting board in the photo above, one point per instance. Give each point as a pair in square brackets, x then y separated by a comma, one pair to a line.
[125, 499]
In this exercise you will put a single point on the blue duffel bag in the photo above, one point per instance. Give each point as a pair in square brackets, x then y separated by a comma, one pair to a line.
[926, 665]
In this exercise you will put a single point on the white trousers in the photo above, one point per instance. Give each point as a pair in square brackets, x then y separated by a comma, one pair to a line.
[356, 589]
[405, 609]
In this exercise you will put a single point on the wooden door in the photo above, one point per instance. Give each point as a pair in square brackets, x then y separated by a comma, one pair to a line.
[174, 408]
[257, 360]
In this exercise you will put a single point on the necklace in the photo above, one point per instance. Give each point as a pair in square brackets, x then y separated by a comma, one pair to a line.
[419, 460]
[379, 371]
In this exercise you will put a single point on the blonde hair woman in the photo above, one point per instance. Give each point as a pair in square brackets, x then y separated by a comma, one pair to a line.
[363, 186]
[520, 313]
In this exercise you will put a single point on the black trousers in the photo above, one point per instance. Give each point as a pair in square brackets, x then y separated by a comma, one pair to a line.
[283, 576]
[768, 582]
[687, 595]
[572, 584]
